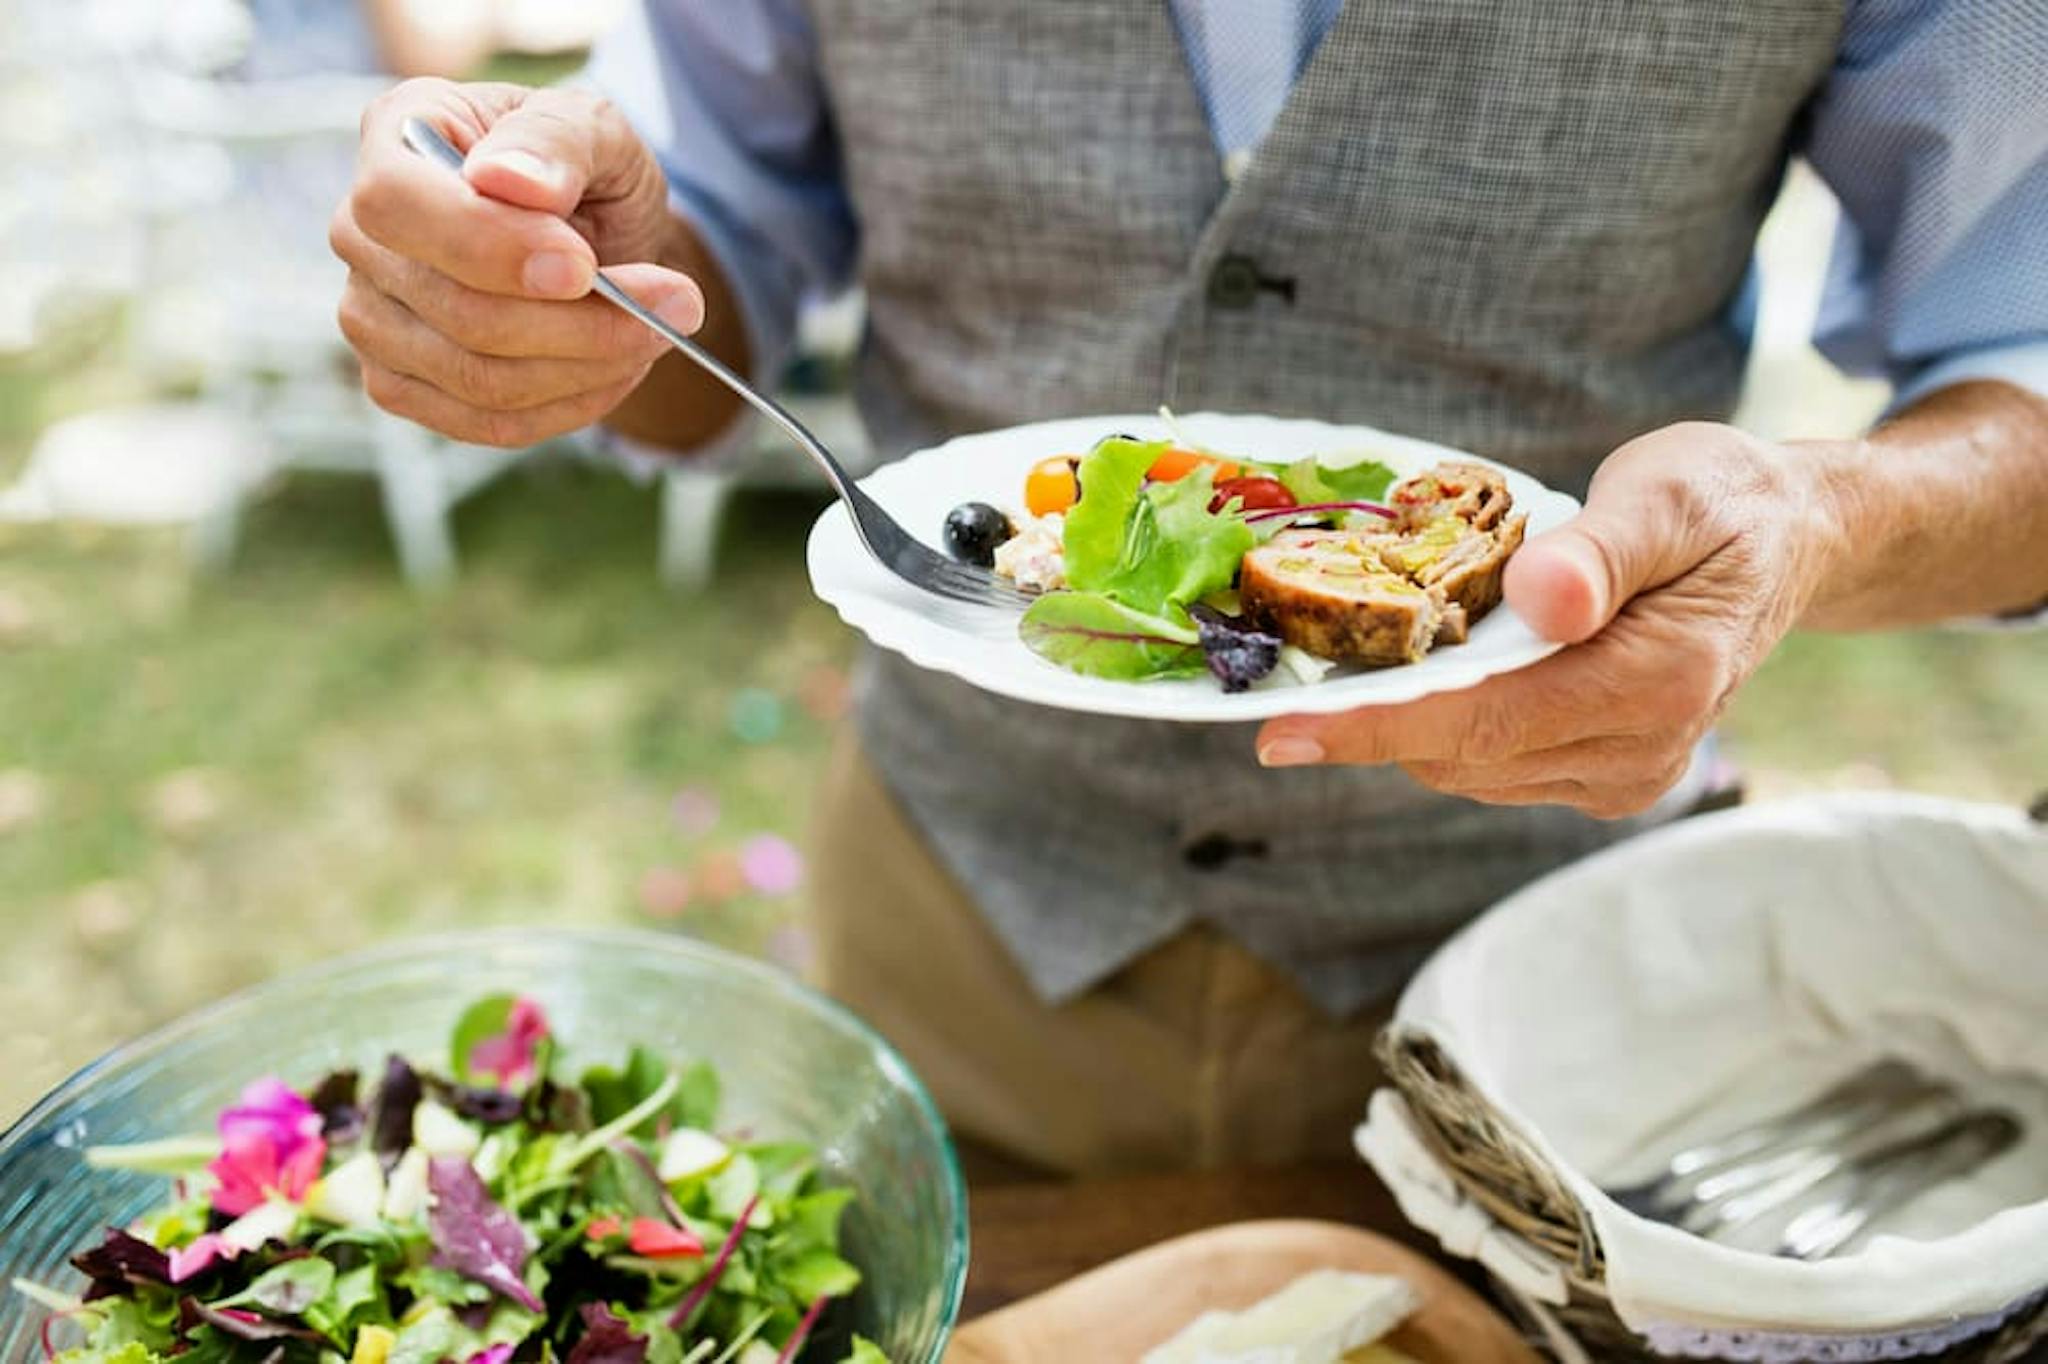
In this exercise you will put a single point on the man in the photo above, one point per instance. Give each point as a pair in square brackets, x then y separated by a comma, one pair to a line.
[1519, 228]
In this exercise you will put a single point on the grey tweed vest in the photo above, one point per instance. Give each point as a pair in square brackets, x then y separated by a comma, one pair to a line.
[1513, 226]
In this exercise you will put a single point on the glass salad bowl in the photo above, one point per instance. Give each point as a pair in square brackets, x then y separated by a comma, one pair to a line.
[794, 1066]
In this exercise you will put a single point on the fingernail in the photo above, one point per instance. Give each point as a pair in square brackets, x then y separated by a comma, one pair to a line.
[682, 308]
[527, 164]
[1290, 752]
[554, 274]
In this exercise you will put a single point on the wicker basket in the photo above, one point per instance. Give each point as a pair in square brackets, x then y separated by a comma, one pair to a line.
[1478, 1156]
[1498, 1171]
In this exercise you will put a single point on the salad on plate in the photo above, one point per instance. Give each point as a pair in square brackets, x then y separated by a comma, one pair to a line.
[1161, 558]
[491, 1210]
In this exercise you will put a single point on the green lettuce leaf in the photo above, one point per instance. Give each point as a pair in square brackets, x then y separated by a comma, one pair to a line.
[288, 1289]
[1112, 477]
[354, 1301]
[1092, 634]
[865, 1351]
[816, 1273]
[131, 1352]
[1156, 547]
[486, 1018]
[1311, 481]
[614, 1093]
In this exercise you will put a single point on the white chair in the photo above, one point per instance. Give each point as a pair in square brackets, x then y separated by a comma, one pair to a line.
[695, 492]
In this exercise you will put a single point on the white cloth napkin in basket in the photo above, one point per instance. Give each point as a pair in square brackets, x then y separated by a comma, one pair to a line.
[1718, 971]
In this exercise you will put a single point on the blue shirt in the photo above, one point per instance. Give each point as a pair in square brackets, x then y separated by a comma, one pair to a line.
[1932, 130]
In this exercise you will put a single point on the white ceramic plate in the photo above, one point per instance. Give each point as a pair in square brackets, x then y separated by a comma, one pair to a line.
[980, 646]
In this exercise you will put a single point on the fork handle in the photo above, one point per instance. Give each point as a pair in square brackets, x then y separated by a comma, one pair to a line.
[424, 138]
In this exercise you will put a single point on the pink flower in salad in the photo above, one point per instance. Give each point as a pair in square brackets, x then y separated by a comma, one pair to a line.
[496, 1354]
[270, 1147]
[271, 1108]
[509, 1057]
[191, 1261]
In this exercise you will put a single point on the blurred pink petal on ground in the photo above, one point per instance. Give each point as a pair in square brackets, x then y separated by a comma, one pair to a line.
[509, 1057]
[771, 864]
[665, 892]
[695, 810]
[791, 948]
[720, 876]
[824, 693]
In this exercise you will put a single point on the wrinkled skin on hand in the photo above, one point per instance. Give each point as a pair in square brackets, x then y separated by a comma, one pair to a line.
[468, 299]
[1698, 548]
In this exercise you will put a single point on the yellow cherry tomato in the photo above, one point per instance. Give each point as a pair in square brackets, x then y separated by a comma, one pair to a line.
[1051, 486]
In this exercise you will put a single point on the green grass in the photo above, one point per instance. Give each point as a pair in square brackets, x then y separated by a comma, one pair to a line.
[226, 778]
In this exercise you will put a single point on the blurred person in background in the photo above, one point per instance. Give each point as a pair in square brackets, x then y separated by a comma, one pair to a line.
[1520, 229]
[407, 38]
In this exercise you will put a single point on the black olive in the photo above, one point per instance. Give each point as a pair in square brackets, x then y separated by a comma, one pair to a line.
[973, 530]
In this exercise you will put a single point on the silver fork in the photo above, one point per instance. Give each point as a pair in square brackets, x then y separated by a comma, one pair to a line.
[1728, 1166]
[1862, 1149]
[1888, 1178]
[893, 547]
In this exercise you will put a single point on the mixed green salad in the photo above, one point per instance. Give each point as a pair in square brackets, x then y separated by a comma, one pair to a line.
[1136, 547]
[495, 1212]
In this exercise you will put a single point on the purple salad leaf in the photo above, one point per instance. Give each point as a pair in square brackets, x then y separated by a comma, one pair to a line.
[491, 1107]
[233, 1321]
[607, 1339]
[1237, 653]
[473, 1235]
[1091, 634]
[391, 1115]
[1324, 511]
[120, 1263]
[558, 1108]
[341, 1117]
[680, 1318]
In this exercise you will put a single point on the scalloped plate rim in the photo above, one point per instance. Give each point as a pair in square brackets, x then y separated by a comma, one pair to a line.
[880, 607]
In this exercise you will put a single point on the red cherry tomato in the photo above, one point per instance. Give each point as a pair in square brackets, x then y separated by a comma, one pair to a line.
[1256, 494]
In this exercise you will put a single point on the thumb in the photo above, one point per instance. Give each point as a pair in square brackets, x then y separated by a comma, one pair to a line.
[548, 153]
[1632, 536]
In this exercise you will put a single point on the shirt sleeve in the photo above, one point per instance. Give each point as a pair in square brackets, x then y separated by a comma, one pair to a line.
[1932, 130]
[728, 95]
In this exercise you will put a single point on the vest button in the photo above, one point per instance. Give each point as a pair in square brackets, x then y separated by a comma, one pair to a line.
[1234, 283]
[1212, 851]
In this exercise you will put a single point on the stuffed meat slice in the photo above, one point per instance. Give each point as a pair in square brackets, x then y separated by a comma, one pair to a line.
[1384, 596]
[1471, 493]
[1323, 591]
[1460, 564]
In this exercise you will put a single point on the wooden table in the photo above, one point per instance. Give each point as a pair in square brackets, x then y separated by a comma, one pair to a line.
[1030, 1236]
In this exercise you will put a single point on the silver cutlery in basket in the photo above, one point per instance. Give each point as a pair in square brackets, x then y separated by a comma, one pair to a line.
[892, 546]
[1830, 1167]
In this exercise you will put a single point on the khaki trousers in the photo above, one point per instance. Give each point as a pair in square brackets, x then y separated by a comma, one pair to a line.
[1198, 1054]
